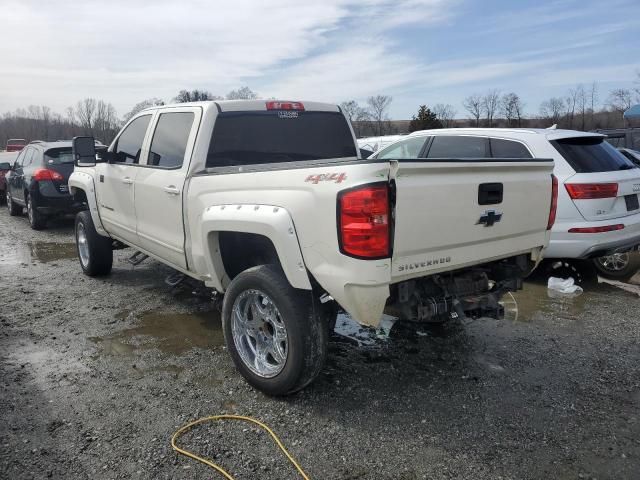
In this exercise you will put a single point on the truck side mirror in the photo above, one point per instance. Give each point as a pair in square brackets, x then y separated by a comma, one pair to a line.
[84, 151]
[4, 166]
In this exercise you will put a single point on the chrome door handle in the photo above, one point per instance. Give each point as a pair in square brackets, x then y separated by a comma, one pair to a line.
[171, 190]
[127, 180]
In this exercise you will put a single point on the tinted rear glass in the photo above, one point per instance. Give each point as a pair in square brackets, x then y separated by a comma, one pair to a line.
[458, 147]
[591, 154]
[508, 149]
[58, 156]
[250, 138]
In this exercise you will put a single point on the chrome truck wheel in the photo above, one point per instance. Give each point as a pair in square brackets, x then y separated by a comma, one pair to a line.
[259, 334]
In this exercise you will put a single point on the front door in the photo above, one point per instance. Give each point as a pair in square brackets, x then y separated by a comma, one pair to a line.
[115, 182]
[160, 184]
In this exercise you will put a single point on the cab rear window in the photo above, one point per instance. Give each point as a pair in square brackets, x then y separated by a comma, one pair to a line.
[251, 138]
[58, 156]
[591, 154]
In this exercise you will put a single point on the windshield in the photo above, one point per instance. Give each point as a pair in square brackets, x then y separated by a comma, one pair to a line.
[58, 156]
[591, 154]
[250, 138]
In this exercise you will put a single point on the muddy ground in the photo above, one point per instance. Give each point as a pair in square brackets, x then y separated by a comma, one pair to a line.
[96, 375]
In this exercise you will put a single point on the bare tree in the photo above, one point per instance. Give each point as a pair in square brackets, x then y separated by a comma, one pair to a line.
[242, 93]
[149, 102]
[581, 105]
[570, 106]
[445, 113]
[511, 108]
[378, 108]
[105, 121]
[357, 115]
[593, 99]
[620, 99]
[490, 103]
[637, 86]
[473, 105]
[552, 109]
[85, 111]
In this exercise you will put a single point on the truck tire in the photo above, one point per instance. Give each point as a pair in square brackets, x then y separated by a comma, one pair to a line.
[14, 208]
[276, 334]
[36, 219]
[94, 250]
[619, 266]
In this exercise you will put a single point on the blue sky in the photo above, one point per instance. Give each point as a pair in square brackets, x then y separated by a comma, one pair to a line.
[418, 51]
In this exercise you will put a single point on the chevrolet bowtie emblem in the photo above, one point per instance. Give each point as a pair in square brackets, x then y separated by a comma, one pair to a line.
[490, 218]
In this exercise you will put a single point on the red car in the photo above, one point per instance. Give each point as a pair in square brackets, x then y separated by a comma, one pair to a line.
[15, 144]
[6, 160]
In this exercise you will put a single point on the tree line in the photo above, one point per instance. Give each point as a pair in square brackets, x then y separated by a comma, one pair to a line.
[582, 107]
[90, 116]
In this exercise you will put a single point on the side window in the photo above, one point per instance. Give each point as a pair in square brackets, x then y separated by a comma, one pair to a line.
[26, 161]
[409, 148]
[458, 147]
[129, 144]
[170, 139]
[20, 158]
[508, 149]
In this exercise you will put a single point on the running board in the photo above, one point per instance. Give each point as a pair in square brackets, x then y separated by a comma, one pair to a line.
[137, 258]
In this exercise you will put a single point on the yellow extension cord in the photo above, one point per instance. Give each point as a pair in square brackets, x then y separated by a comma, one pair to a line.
[215, 418]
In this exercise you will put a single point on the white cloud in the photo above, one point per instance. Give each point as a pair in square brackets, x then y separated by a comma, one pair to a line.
[123, 51]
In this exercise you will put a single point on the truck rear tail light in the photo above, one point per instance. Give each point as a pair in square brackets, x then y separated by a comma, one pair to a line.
[280, 105]
[607, 228]
[363, 215]
[554, 202]
[587, 191]
[41, 174]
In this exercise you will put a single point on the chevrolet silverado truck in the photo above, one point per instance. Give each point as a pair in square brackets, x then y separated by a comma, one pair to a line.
[269, 204]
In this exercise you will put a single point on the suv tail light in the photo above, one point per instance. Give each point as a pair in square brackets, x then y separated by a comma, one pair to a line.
[554, 202]
[587, 191]
[278, 105]
[41, 174]
[607, 228]
[363, 215]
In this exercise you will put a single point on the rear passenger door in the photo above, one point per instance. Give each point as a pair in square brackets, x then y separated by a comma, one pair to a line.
[160, 184]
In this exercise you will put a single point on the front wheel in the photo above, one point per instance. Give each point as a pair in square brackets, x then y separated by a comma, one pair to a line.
[94, 250]
[275, 334]
[618, 266]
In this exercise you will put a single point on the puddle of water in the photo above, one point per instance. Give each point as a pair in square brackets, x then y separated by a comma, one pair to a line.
[173, 333]
[348, 327]
[43, 252]
[535, 301]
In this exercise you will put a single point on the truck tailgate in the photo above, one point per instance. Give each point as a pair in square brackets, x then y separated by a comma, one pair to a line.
[440, 223]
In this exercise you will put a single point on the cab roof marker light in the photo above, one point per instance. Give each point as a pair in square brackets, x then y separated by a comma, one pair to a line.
[284, 105]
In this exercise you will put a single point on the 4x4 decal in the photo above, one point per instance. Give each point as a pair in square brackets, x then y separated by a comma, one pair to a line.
[327, 177]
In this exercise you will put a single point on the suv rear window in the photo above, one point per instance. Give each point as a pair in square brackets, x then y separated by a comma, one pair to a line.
[458, 146]
[250, 138]
[58, 156]
[591, 154]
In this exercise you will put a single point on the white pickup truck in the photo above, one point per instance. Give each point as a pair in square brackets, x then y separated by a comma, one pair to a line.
[269, 203]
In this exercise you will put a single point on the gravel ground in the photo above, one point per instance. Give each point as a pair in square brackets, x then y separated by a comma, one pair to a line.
[96, 375]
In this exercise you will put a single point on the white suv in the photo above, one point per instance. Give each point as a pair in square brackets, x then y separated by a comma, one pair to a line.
[598, 214]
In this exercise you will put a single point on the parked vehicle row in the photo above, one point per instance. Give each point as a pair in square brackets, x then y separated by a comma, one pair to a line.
[598, 215]
[272, 205]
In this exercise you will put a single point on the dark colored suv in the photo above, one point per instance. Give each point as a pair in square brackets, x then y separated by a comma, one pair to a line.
[38, 181]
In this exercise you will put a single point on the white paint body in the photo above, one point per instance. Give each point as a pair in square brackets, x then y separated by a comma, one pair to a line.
[570, 213]
[436, 213]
